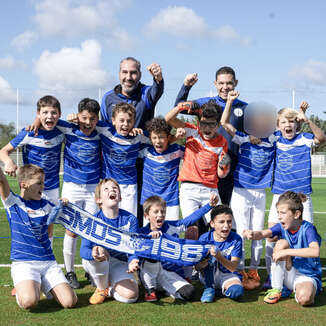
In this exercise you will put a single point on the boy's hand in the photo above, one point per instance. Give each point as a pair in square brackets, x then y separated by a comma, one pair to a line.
[72, 118]
[155, 234]
[180, 133]
[224, 161]
[213, 200]
[156, 71]
[136, 131]
[10, 168]
[248, 234]
[201, 265]
[232, 95]
[254, 140]
[304, 106]
[34, 126]
[213, 251]
[190, 79]
[100, 254]
[191, 107]
[279, 255]
[133, 266]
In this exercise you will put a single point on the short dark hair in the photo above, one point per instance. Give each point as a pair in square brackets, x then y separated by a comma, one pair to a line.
[125, 108]
[89, 105]
[48, 100]
[131, 59]
[158, 125]
[220, 209]
[293, 200]
[225, 70]
[211, 110]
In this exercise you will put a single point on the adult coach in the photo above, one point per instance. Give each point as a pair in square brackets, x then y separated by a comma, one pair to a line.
[142, 97]
[132, 91]
[225, 81]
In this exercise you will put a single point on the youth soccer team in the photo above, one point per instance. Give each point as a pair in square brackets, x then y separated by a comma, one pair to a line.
[100, 176]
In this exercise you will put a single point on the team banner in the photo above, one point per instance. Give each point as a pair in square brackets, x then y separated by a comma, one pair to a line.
[165, 248]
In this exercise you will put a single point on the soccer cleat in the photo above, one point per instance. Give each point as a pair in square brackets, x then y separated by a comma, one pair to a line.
[150, 296]
[272, 296]
[98, 296]
[208, 295]
[72, 279]
[249, 283]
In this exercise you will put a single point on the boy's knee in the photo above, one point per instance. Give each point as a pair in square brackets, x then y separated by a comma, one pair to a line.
[69, 301]
[187, 292]
[126, 291]
[27, 302]
[304, 299]
[234, 292]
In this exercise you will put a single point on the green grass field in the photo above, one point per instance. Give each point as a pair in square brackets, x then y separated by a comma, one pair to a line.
[249, 311]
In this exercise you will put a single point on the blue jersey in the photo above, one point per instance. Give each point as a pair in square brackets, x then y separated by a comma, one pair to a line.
[120, 154]
[160, 174]
[306, 234]
[236, 116]
[29, 231]
[124, 221]
[255, 162]
[293, 164]
[231, 247]
[42, 150]
[82, 164]
[144, 99]
[174, 228]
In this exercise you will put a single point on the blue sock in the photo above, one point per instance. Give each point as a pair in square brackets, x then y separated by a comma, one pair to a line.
[234, 292]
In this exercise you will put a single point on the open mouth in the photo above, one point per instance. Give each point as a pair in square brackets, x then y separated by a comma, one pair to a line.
[288, 131]
[49, 124]
[112, 196]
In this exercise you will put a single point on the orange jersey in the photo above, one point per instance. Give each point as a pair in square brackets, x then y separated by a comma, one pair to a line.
[201, 157]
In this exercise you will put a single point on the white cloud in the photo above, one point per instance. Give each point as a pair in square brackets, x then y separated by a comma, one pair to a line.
[68, 18]
[24, 40]
[184, 22]
[7, 93]
[72, 68]
[312, 72]
[7, 62]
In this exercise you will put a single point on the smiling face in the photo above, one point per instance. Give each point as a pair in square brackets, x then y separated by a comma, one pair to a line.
[49, 117]
[287, 126]
[160, 141]
[33, 187]
[224, 84]
[109, 195]
[208, 127]
[156, 216]
[222, 224]
[129, 76]
[123, 123]
[87, 121]
[287, 217]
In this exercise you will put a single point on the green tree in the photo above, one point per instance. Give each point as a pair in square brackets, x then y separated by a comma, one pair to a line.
[7, 132]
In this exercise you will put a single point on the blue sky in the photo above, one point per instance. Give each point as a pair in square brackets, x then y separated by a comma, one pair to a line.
[72, 48]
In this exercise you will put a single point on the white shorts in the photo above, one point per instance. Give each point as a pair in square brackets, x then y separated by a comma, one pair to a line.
[154, 276]
[52, 195]
[116, 269]
[220, 279]
[48, 273]
[293, 277]
[194, 196]
[82, 195]
[129, 198]
[306, 215]
[172, 213]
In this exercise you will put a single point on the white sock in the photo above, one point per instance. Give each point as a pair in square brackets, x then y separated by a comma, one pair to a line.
[122, 299]
[277, 274]
[69, 252]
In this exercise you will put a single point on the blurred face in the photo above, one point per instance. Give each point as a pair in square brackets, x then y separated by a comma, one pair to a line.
[49, 117]
[224, 84]
[123, 123]
[208, 127]
[288, 127]
[160, 141]
[222, 225]
[156, 216]
[34, 187]
[109, 195]
[286, 216]
[129, 77]
[87, 121]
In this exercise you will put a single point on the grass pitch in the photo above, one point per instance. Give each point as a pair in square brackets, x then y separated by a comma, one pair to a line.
[249, 311]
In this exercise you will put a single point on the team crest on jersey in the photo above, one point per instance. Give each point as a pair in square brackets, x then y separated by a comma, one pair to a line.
[227, 252]
[137, 243]
[260, 158]
[118, 156]
[86, 152]
[238, 112]
[161, 175]
[285, 161]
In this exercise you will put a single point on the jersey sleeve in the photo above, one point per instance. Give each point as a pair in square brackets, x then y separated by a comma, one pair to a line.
[312, 235]
[9, 201]
[20, 139]
[65, 126]
[182, 95]
[154, 93]
[196, 215]
[240, 138]
[276, 230]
